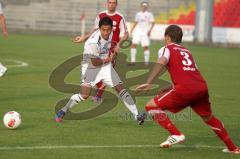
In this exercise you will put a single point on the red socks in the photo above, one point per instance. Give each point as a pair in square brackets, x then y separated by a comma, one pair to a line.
[100, 89]
[162, 119]
[218, 127]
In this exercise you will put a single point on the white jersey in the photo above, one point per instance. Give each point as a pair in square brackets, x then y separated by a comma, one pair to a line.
[1, 11]
[96, 47]
[144, 21]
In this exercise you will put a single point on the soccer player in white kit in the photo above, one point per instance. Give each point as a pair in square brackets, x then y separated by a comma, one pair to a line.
[97, 66]
[3, 69]
[119, 28]
[141, 31]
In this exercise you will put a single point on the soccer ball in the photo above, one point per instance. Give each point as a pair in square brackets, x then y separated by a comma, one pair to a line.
[12, 120]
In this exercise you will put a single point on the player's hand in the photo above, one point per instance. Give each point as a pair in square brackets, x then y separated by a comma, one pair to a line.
[116, 49]
[149, 33]
[79, 39]
[143, 88]
[113, 56]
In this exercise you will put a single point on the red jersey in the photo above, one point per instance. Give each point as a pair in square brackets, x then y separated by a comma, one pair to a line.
[119, 24]
[182, 69]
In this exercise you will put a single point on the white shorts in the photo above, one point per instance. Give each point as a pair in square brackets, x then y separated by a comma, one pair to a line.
[106, 73]
[138, 38]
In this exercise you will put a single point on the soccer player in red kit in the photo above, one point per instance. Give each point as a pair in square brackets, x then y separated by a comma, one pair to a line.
[188, 89]
[119, 26]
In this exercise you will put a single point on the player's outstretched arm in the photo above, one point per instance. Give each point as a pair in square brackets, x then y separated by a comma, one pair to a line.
[158, 69]
[143, 88]
[124, 30]
[81, 39]
[122, 39]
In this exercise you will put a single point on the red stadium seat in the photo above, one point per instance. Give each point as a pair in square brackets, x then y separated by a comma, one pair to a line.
[225, 14]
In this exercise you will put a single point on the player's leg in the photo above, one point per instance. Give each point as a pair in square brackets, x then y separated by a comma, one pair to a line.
[74, 100]
[145, 41]
[155, 108]
[133, 53]
[203, 109]
[111, 78]
[219, 129]
[127, 99]
[129, 103]
[161, 117]
[3, 69]
[135, 42]
[100, 89]
[146, 55]
[100, 85]
[89, 78]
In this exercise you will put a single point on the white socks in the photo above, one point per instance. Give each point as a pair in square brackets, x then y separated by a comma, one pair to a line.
[146, 56]
[128, 102]
[133, 55]
[124, 96]
[74, 100]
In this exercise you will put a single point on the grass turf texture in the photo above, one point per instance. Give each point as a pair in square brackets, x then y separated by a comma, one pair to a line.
[26, 90]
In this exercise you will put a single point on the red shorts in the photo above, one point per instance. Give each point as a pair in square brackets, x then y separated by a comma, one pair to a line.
[174, 102]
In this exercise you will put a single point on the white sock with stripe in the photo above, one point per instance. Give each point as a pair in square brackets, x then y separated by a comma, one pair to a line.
[128, 102]
[146, 56]
[74, 100]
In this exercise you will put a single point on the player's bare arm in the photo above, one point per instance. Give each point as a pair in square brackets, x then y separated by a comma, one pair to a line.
[158, 69]
[151, 28]
[81, 39]
[133, 27]
[4, 26]
[122, 39]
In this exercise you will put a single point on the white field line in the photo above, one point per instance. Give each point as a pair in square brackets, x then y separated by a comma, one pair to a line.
[18, 63]
[102, 146]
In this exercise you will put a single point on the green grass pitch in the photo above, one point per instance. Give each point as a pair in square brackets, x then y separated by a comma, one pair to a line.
[27, 90]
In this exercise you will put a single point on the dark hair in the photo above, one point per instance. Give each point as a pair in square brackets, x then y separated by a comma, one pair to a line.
[105, 21]
[175, 33]
[115, 0]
